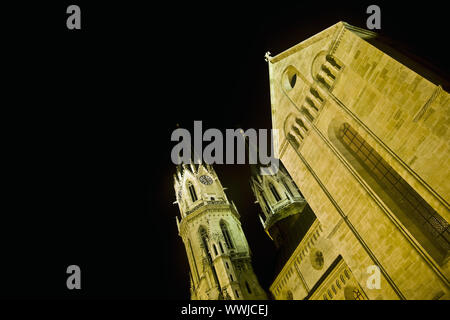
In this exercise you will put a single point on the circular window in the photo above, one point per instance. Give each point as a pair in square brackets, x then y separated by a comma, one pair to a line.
[289, 78]
[317, 260]
[206, 179]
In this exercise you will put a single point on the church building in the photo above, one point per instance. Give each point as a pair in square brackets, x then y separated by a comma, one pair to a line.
[359, 208]
[363, 130]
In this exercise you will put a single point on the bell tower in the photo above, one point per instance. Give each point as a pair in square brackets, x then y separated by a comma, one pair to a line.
[217, 250]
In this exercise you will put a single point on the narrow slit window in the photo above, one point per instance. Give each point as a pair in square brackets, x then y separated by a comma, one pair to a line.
[249, 290]
[192, 193]
[274, 192]
[226, 235]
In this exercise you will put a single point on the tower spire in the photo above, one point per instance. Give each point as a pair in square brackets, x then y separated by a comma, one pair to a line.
[216, 246]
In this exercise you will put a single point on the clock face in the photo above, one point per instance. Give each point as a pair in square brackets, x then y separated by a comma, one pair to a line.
[206, 179]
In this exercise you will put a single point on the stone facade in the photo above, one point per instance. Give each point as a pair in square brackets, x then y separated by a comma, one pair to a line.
[308, 265]
[366, 140]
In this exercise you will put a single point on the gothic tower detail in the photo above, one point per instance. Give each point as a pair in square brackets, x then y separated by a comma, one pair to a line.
[217, 250]
[279, 199]
[307, 265]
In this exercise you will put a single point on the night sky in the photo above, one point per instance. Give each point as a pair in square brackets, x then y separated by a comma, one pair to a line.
[92, 114]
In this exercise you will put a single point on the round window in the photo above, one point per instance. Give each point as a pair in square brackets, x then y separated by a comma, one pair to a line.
[317, 259]
[289, 78]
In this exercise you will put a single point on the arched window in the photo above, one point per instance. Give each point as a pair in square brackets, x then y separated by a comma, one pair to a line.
[297, 132]
[301, 124]
[325, 69]
[293, 141]
[193, 257]
[274, 192]
[215, 250]
[289, 295]
[248, 287]
[316, 94]
[221, 247]
[347, 274]
[204, 240]
[192, 192]
[289, 78]
[333, 62]
[307, 114]
[323, 81]
[421, 220]
[312, 104]
[226, 235]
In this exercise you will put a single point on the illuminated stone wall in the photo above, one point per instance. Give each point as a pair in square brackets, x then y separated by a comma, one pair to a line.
[337, 78]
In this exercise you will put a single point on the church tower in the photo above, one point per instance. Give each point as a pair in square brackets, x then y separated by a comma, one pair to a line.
[218, 253]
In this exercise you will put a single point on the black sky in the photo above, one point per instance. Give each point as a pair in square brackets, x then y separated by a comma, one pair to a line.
[91, 116]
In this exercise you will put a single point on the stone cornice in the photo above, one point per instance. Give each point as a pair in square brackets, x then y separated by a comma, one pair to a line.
[206, 207]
